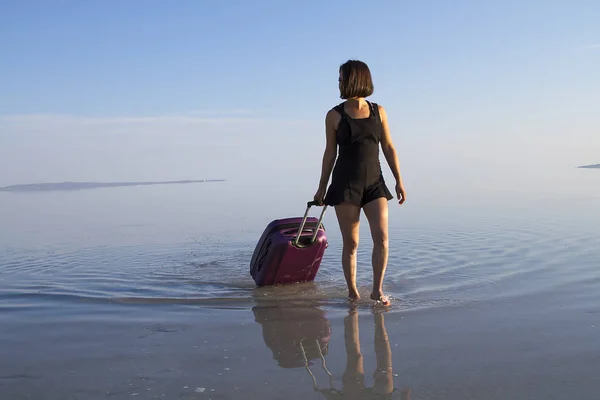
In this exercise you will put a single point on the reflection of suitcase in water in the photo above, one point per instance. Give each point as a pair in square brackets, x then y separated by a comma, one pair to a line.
[295, 335]
[290, 250]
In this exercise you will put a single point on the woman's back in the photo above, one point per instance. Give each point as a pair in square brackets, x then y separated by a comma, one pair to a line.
[358, 146]
[360, 128]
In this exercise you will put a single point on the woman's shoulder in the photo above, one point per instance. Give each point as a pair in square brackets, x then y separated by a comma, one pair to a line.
[379, 109]
[339, 108]
[376, 105]
[334, 116]
[336, 111]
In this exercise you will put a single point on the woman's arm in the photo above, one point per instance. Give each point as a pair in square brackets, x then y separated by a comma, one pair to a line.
[389, 151]
[330, 153]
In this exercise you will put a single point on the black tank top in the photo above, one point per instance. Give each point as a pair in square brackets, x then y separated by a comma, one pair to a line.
[358, 142]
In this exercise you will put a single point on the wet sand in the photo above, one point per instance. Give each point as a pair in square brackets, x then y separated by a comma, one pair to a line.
[536, 347]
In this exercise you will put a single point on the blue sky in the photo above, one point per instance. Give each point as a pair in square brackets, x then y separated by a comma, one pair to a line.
[85, 81]
[156, 57]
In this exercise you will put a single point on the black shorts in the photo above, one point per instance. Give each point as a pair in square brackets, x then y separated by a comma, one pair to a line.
[356, 193]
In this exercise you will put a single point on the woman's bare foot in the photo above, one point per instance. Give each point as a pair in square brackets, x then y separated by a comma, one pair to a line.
[353, 295]
[380, 298]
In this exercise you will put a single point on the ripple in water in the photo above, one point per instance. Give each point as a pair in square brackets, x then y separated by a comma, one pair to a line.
[441, 267]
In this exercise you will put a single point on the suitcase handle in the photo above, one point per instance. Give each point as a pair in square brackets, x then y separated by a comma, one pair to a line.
[306, 366]
[301, 227]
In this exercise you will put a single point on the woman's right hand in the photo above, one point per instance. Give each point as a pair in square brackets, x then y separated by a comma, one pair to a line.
[320, 195]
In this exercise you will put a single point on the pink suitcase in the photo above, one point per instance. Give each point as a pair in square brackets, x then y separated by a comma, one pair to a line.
[290, 250]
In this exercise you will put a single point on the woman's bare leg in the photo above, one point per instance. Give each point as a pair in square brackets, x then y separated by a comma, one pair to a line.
[384, 381]
[348, 216]
[376, 212]
[353, 377]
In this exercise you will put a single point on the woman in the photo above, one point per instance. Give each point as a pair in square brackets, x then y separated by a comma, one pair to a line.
[358, 127]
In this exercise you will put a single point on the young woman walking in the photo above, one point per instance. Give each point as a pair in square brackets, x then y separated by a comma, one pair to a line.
[357, 128]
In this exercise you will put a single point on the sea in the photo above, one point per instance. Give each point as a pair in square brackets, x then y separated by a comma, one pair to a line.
[144, 292]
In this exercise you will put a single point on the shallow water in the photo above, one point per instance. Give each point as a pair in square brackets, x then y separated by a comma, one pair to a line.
[124, 292]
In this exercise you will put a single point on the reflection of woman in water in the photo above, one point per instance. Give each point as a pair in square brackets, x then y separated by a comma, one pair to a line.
[353, 378]
[298, 336]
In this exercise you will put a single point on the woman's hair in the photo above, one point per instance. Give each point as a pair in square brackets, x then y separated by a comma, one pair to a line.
[355, 80]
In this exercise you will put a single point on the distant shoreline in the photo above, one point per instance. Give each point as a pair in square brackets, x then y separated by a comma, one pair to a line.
[590, 166]
[38, 187]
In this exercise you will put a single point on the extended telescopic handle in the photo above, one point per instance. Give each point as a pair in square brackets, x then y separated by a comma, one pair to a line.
[301, 227]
